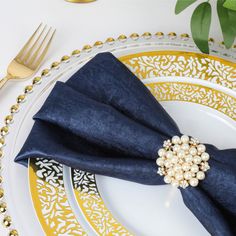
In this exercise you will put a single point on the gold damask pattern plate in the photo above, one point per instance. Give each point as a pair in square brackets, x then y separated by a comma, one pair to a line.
[144, 65]
[53, 209]
[187, 64]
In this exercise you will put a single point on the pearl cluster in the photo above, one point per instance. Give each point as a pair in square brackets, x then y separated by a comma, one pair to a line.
[183, 161]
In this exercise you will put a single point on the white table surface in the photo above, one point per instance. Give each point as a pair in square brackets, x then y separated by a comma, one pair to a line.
[80, 24]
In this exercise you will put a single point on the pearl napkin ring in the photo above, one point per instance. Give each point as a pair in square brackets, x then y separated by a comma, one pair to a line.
[182, 161]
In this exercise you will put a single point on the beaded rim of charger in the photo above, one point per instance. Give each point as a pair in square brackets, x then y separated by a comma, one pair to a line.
[182, 161]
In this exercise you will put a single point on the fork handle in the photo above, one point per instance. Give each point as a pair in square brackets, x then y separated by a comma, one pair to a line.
[4, 80]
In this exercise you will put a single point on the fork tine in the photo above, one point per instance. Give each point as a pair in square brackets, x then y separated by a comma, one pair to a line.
[31, 39]
[34, 46]
[45, 44]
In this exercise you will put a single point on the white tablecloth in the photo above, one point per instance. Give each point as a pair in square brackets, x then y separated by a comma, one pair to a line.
[80, 24]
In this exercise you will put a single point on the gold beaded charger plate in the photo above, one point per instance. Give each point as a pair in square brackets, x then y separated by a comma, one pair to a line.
[194, 88]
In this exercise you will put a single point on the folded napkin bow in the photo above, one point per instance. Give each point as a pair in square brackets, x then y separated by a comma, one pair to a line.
[105, 121]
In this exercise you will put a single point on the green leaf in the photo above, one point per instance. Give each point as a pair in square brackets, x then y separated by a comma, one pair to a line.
[232, 17]
[182, 4]
[200, 26]
[230, 4]
[225, 23]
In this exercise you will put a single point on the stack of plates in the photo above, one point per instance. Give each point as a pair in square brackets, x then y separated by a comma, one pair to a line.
[197, 90]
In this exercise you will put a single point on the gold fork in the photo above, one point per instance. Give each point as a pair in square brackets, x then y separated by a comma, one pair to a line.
[30, 56]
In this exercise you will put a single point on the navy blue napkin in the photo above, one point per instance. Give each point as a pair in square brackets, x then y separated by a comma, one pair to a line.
[105, 121]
